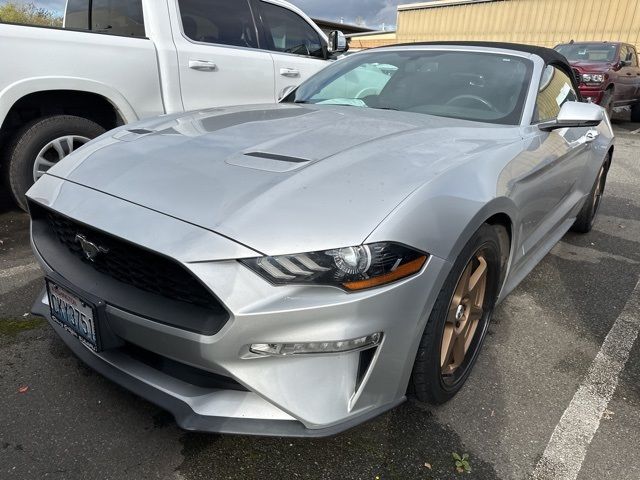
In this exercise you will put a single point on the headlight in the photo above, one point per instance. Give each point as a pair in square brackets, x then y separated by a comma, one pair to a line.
[592, 78]
[350, 268]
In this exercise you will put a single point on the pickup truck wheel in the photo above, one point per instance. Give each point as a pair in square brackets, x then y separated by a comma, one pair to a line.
[635, 112]
[41, 144]
[607, 102]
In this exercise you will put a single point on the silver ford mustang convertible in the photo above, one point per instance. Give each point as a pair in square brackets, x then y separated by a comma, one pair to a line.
[296, 269]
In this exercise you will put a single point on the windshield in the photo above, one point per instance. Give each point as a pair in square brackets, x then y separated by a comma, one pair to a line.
[483, 87]
[589, 52]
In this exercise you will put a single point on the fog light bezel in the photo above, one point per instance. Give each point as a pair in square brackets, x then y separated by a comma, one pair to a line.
[290, 349]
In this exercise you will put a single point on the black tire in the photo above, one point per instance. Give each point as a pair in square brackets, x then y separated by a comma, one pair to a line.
[23, 150]
[607, 102]
[587, 216]
[427, 381]
[635, 112]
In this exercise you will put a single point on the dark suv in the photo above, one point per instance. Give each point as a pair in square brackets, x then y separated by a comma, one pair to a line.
[608, 73]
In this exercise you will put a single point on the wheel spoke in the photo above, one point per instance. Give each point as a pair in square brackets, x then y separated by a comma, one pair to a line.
[57, 146]
[69, 141]
[463, 286]
[464, 315]
[475, 313]
[458, 351]
[448, 340]
[479, 275]
[41, 161]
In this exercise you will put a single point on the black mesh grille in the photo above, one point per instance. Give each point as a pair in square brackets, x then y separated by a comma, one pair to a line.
[132, 265]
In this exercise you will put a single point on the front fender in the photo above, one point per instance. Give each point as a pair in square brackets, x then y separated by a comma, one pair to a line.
[439, 219]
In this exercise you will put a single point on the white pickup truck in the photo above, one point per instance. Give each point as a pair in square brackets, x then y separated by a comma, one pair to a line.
[118, 61]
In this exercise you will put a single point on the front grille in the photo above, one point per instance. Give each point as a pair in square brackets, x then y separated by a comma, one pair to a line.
[131, 264]
[181, 371]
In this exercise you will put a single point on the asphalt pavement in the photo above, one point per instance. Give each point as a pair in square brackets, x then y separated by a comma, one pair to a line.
[554, 346]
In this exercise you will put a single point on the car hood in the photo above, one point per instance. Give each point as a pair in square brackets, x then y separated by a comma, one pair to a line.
[592, 67]
[280, 178]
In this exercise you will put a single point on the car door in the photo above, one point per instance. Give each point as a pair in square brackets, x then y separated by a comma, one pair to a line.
[219, 55]
[625, 89]
[297, 47]
[553, 169]
[635, 72]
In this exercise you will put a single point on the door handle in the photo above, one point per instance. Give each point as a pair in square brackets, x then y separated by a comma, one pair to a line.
[289, 72]
[202, 65]
[590, 136]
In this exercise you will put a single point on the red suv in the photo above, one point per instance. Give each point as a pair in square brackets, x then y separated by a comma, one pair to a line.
[608, 73]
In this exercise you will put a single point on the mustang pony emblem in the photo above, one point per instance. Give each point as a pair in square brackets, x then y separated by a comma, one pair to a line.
[90, 249]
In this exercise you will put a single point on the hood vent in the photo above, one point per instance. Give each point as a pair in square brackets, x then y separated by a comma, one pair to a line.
[274, 156]
[268, 162]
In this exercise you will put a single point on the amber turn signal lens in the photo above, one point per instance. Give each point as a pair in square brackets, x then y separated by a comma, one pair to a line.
[402, 271]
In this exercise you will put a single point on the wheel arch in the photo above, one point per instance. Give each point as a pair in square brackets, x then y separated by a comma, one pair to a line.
[610, 156]
[26, 100]
[498, 212]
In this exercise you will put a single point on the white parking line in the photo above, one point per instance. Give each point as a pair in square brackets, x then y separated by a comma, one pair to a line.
[635, 131]
[567, 448]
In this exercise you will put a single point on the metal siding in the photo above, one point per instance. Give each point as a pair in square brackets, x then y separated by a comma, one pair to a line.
[539, 22]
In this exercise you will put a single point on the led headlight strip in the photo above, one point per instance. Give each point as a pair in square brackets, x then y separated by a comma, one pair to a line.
[351, 268]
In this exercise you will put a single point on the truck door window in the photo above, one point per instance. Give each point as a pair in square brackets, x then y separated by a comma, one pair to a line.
[634, 57]
[624, 53]
[555, 89]
[113, 17]
[117, 17]
[77, 15]
[219, 21]
[290, 33]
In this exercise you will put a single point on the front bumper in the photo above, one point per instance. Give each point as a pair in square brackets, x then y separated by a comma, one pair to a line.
[311, 395]
[594, 93]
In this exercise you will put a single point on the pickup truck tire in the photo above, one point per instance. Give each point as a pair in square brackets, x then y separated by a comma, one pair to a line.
[607, 102]
[635, 112]
[61, 134]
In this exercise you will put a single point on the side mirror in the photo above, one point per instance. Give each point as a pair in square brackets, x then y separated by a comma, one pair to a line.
[574, 115]
[625, 63]
[284, 93]
[338, 42]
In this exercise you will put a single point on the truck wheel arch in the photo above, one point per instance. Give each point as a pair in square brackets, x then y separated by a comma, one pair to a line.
[57, 93]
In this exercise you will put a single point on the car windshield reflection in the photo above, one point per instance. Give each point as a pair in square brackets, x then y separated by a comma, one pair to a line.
[484, 87]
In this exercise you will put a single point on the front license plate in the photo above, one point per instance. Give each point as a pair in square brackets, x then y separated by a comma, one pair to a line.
[74, 315]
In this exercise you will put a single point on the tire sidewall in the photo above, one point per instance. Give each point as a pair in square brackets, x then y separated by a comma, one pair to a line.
[430, 346]
[32, 138]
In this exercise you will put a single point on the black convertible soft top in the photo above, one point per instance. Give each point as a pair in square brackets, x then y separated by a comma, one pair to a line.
[549, 55]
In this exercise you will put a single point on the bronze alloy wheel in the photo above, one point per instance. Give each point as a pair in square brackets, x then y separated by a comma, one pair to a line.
[459, 320]
[464, 316]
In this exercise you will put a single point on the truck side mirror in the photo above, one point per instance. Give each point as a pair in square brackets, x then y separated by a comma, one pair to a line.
[338, 42]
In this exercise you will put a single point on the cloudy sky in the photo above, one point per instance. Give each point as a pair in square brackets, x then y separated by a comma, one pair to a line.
[374, 13]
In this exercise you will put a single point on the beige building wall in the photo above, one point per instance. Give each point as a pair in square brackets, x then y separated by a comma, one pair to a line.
[374, 40]
[538, 22]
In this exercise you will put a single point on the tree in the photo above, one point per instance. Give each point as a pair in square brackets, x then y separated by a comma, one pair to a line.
[28, 14]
